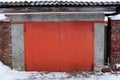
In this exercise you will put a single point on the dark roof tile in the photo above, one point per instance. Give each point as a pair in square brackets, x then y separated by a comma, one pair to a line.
[57, 3]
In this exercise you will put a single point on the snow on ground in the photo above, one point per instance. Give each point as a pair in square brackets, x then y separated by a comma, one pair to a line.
[61, 0]
[8, 74]
[76, 76]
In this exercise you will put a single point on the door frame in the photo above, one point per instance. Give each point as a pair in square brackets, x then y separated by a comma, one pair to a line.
[63, 16]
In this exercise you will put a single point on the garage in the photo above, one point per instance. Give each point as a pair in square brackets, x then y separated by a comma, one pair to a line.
[58, 42]
[59, 35]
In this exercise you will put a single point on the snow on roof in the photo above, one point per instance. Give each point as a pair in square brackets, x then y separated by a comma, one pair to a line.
[116, 17]
[4, 18]
[62, 0]
[117, 65]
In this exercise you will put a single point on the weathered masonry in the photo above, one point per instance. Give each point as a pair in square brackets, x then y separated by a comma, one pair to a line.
[115, 41]
[5, 42]
[61, 36]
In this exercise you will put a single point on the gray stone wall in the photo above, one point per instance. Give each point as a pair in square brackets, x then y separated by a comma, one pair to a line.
[18, 46]
[99, 31]
[58, 17]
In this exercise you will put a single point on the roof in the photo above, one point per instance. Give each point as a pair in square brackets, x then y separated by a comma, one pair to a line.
[57, 3]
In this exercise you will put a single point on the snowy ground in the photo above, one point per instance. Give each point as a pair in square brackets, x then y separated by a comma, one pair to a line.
[8, 74]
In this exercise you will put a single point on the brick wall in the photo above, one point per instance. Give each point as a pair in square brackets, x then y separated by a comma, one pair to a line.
[115, 41]
[5, 43]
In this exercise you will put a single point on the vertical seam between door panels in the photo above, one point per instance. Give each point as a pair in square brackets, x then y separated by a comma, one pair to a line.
[33, 43]
[25, 47]
[59, 56]
[32, 56]
[93, 38]
[85, 47]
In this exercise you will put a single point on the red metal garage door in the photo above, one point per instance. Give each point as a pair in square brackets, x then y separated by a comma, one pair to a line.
[59, 46]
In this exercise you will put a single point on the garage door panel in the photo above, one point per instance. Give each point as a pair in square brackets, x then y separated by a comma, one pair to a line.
[75, 46]
[44, 41]
[28, 49]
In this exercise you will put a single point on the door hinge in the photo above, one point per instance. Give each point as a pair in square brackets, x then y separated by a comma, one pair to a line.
[24, 28]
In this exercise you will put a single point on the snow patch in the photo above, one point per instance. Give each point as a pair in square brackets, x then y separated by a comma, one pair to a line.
[117, 65]
[77, 76]
[3, 17]
[8, 74]
[116, 17]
